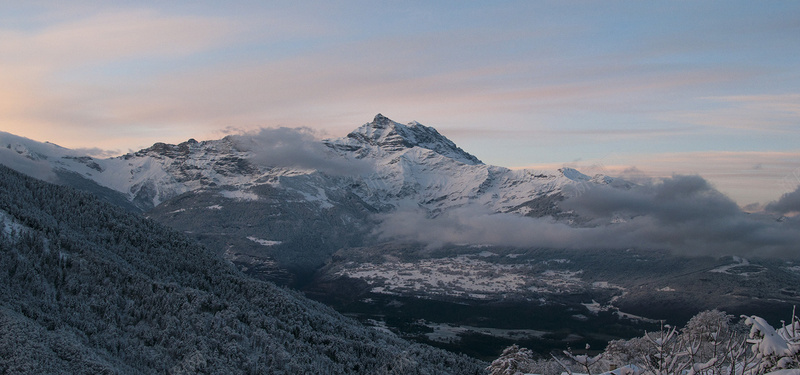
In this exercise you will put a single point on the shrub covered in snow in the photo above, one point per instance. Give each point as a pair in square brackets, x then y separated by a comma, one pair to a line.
[708, 345]
[513, 361]
[774, 349]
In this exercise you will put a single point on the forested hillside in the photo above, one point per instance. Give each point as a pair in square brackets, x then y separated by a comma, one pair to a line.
[86, 287]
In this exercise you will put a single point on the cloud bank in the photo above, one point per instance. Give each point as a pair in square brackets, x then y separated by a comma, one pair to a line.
[787, 204]
[683, 214]
[35, 168]
[297, 148]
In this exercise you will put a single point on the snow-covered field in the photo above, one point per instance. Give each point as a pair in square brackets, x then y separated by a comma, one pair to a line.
[469, 277]
[740, 267]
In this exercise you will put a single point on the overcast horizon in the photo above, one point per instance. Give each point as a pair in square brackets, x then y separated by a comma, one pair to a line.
[605, 87]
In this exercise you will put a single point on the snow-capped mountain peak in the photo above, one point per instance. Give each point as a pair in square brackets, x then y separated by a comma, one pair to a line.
[391, 137]
[573, 174]
[389, 165]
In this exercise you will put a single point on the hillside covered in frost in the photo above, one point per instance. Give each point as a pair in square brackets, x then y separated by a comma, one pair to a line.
[89, 288]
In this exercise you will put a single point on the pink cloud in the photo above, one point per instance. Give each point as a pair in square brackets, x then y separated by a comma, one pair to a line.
[112, 36]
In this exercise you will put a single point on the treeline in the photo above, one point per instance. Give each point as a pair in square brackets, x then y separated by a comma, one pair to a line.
[86, 287]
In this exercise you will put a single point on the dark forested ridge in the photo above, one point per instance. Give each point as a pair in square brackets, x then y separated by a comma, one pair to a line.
[86, 287]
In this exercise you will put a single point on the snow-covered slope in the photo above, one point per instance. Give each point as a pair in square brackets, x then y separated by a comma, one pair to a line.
[147, 177]
[413, 166]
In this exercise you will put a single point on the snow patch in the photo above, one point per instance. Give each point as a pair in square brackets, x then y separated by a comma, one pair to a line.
[264, 242]
[580, 317]
[320, 197]
[452, 333]
[740, 267]
[8, 225]
[624, 315]
[214, 207]
[795, 269]
[239, 195]
[480, 246]
[523, 211]
[594, 307]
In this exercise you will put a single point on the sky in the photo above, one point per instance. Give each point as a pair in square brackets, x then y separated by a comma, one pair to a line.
[616, 87]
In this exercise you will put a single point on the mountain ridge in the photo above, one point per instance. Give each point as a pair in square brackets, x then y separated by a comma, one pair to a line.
[407, 160]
